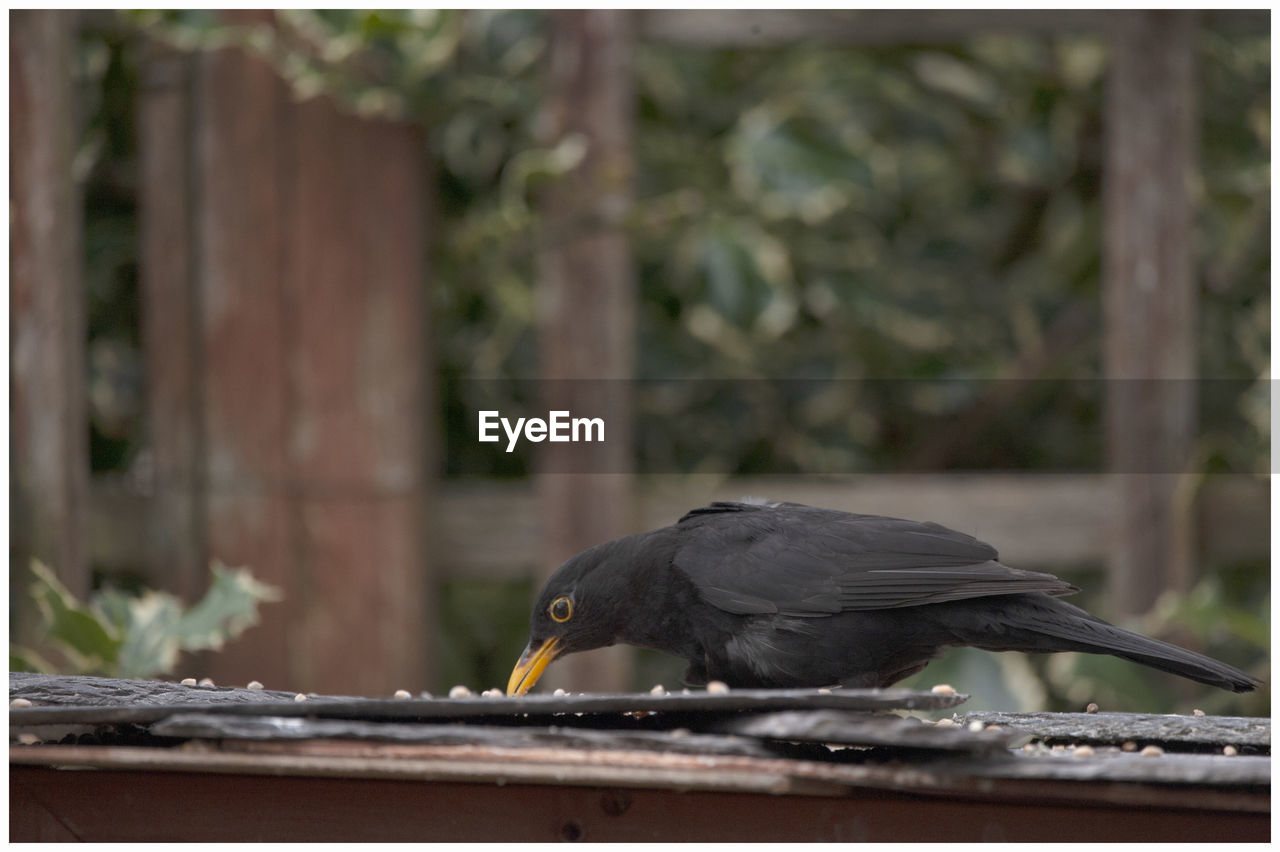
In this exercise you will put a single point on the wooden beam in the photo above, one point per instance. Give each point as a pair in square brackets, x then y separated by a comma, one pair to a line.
[1050, 521]
[285, 276]
[586, 293]
[566, 794]
[1149, 303]
[170, 320]
[491, 530]
[50, 442]
[881, 27]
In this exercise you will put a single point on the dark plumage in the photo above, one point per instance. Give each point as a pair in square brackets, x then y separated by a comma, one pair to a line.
[784, 595]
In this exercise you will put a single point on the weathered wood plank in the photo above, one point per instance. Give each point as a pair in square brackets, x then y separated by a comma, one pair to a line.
[285, 275]
[240, 138]
[354, 291]
[49, 445]
[174, 523]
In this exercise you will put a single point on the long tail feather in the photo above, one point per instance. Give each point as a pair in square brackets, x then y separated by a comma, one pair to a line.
[1039, 623]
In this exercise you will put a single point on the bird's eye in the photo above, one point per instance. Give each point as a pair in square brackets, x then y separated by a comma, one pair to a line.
[560, 610]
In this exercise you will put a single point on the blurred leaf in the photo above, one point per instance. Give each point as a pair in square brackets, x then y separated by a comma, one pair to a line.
[229, 608]
[26, 660]
[151, 643]
[121, 635]
[67, 622]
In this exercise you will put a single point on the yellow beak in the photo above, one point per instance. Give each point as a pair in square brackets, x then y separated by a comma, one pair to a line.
[530, 666]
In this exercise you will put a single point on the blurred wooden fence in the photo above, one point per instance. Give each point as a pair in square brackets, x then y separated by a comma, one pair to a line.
[491, 530]
[285, 284]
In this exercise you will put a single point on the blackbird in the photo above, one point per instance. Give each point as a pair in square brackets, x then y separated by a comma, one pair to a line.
[783, 595]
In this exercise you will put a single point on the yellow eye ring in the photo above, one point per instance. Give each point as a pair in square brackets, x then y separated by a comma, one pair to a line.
[561, 610]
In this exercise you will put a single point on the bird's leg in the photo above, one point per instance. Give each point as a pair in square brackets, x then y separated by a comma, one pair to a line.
[696, 674]
[879, 680]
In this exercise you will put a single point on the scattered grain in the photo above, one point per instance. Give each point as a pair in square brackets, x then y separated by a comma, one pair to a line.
[1151, 751]
[189, 681]
[945, 723]
[1230, 751]
[20, 702]
[492, 693]
[943, 689]
[299, 697]
[1083, 751]
[206, 681]
[717, 687]
[28, 738]
[1197, 712]
[976, 727]
[1128, 745]
[559, 693]
[1092, 708]
[253, 684]
[460, 691]
[658, 689]
[402, 694]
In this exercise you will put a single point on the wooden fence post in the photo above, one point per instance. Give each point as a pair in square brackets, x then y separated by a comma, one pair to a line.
[287, 327]
[586, 299]
[1149, 301]
[49, 418]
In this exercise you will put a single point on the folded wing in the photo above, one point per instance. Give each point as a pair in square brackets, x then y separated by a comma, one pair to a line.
[798, 560]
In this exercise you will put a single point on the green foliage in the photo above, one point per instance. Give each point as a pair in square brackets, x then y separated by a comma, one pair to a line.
[120, 635]
[483, 628]
[926, 216]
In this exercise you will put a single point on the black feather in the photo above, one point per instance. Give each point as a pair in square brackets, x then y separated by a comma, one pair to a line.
[785, 595]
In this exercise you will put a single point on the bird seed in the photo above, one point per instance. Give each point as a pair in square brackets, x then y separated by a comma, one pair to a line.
[1151, 751]
[1197, 712]
[299, 697]
[253, 684]
[20, 702]
[460, 691]
[943, 689]
[1230, 751]
[189, 681]
[402, 694]
[1083, 751]
[658, 689]
[1129, 745]
[1092, 708]
[717, 687]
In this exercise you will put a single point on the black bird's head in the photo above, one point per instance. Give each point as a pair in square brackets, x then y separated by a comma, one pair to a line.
[579, 608]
